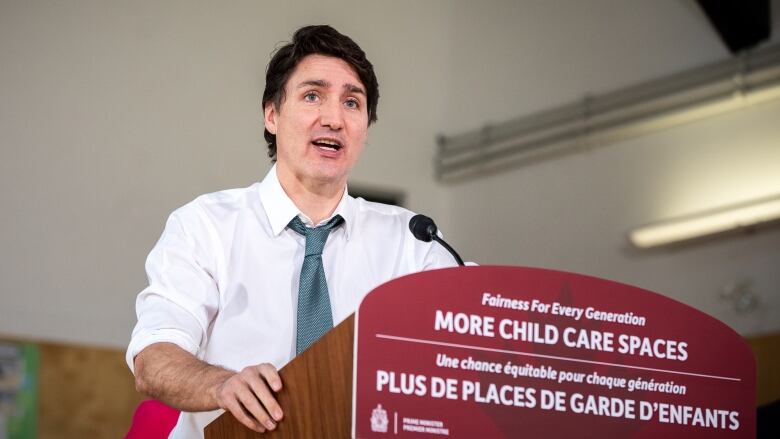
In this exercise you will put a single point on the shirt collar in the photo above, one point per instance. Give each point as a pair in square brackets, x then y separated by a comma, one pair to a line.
[280, 209]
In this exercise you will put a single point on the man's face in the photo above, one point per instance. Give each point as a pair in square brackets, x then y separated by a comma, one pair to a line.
[322, 122]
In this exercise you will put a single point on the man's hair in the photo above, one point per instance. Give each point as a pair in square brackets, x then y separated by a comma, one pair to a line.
[321, 40]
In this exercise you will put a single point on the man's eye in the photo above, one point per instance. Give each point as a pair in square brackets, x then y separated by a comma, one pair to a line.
[352, 103]
[310, 97]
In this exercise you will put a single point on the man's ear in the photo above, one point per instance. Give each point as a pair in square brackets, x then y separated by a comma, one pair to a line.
[269, 117]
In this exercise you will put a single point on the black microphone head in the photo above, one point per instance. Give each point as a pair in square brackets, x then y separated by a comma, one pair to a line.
[422, 227]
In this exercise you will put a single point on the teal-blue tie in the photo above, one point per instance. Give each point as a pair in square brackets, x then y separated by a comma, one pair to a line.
[314, 315]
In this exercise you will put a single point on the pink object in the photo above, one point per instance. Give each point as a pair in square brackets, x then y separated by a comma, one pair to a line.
[151, 420]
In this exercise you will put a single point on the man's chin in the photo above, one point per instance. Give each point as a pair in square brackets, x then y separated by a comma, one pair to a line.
[327, 176]
[330, 179]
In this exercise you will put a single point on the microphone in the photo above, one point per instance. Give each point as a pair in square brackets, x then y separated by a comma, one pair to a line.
[424, 229]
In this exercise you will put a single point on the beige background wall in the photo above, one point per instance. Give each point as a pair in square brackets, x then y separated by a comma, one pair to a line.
[112, 114]
[573, 212]
[115, 113]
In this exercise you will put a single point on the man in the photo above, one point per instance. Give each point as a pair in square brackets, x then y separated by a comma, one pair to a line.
[241, 280]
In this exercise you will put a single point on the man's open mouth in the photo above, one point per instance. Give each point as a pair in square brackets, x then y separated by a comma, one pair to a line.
[331, 145]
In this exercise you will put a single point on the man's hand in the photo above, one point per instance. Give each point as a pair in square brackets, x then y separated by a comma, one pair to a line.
[249, 396]
[167, 372]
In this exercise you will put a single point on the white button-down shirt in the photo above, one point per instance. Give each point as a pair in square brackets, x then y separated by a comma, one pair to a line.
[223, 278]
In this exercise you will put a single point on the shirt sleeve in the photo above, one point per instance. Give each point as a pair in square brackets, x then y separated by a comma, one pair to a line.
[182, 297]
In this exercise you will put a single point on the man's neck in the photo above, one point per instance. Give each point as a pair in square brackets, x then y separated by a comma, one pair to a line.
[317, 200]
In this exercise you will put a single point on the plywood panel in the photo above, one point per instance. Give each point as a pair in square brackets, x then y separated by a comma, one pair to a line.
[84, 392]
[767, 350]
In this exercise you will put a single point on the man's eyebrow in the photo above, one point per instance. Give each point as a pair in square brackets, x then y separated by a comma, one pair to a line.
[314, 82]
[352, 88]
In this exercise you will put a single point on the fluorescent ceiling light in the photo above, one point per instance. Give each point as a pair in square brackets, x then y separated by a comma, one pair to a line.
[738, 216]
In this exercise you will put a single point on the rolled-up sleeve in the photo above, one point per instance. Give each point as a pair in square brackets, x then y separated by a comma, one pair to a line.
[182, 297]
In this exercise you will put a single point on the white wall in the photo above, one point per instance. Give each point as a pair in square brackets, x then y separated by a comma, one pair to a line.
[112, 114]
[573, 212]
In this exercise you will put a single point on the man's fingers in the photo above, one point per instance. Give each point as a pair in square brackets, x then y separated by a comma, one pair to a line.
[266, 397]
[249, 397]
[251, 403]
[271, 375]
[241, 414]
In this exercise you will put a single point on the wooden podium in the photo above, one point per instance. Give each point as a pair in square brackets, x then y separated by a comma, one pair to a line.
[319, 377]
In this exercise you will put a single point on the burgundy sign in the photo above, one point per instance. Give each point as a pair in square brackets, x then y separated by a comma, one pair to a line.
[498, 352]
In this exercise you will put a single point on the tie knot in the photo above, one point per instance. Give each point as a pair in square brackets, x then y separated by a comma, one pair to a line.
[315, 236]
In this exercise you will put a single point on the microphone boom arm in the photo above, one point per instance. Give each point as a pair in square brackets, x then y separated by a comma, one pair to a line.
[424, 229]
[444, 244]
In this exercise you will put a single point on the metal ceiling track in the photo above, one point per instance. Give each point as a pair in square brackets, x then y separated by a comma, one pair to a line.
[749, 78]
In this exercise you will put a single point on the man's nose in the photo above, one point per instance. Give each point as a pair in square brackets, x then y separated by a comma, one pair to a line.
[331, 115]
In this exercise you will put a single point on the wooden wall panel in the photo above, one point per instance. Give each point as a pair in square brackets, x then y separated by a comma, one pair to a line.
[84, 392]
[767, 350]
